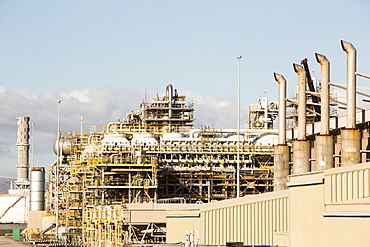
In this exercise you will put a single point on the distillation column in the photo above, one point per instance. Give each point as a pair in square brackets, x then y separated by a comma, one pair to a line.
[281, 151]
[23, 146]
[324, 141]
[301, 147]
[350, 135]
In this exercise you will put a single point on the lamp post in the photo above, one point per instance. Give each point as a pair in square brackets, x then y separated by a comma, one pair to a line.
[57, 175]
[238, 151]
[33, 147]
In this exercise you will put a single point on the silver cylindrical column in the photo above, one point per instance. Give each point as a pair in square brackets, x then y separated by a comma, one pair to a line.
[37, 189]
[23, 146]
[301, 147]
[281, 151]
[324, 142]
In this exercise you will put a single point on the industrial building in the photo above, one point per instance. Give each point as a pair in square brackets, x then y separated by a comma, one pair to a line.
[155, 159]
[154, 178]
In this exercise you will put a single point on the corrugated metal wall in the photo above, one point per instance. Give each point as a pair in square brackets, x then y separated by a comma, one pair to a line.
[252, 223]
[345, 184]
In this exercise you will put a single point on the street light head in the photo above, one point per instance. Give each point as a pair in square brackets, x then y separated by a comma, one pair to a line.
[239, 57]
[59, 101]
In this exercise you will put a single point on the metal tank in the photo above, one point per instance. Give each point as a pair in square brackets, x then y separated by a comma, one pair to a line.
[64, 146]
[37, 189]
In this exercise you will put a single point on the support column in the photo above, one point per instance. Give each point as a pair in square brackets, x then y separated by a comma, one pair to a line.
[351, 144]
[282, 167]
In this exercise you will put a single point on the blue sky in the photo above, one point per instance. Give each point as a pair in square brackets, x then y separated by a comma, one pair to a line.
[100, 57]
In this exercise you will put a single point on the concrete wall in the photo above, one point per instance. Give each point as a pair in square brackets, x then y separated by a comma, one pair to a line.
[323, 208]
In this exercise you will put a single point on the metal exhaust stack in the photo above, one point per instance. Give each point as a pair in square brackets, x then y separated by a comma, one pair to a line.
[301, 147]
[350, 135]
[23, 146]
[324, 141]
[281, 151]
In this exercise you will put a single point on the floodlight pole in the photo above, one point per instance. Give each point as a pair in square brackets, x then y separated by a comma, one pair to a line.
[57, 176]
[238, 151]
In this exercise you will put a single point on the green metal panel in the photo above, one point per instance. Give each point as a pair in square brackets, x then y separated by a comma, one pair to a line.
[16, 233]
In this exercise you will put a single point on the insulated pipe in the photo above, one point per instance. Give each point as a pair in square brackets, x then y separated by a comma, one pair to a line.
[324, 142]
[301, 101]
[351, 84]
[325, 78]
[282, 107]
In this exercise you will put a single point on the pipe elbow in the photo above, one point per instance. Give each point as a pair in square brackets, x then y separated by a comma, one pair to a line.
[298, 69]
[321, 59]
[347, 47]
[279, 78]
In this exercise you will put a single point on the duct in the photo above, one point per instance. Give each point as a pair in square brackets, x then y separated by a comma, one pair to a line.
[301, 101]
[351, 84]
[37, 189]
[23, 146]
[282, 107]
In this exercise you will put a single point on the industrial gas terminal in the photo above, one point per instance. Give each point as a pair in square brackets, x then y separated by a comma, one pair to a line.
[154, 178]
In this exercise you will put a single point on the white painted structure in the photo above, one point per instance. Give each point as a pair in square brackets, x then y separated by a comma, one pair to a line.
[14, 208]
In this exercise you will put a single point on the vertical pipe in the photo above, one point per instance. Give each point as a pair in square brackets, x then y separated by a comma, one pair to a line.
[351, 143]
[301, 101]
[281, 151]
[351, 84]
[325, 78]
[324, 142]
[301, 147]
[282, 107]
